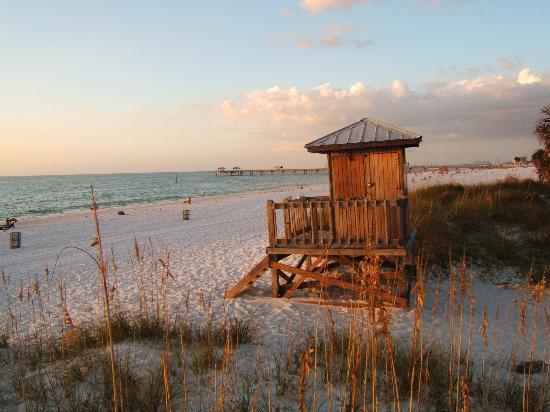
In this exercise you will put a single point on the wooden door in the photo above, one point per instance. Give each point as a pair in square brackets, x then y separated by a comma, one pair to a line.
[348, 172]
[385, 182]
[384, 176]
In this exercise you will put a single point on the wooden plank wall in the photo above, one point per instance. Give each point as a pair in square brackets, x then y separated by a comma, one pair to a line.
[374, 175]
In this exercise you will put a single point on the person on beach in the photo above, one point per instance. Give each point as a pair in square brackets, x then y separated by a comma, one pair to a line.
[10, 223]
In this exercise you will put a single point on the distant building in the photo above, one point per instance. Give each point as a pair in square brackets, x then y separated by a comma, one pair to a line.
[482, 163]
[519, 160]
[221, 169]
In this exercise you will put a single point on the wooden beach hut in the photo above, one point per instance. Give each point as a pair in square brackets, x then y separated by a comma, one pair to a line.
[365, 216]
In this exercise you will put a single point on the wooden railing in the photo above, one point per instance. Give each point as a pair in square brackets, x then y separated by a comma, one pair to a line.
[308, 222]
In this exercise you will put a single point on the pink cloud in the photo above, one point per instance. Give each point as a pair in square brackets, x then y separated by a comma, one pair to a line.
[317, 6]
[285, 11]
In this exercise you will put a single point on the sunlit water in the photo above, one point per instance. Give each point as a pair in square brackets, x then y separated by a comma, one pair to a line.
[42, 195]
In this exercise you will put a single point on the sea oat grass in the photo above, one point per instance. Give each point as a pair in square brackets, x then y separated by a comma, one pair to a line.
[205, 357]
[4, 339]
[237, 330]
[507, 393]
[503, 223]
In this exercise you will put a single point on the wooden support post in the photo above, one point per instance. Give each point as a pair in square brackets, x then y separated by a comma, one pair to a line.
[274, 276]
[271, 223]
[313, 223]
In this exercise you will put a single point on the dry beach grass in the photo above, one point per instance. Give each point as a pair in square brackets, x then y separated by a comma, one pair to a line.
[343, 360]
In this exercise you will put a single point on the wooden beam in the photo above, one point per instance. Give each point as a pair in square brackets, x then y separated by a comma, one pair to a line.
[336, 251]
[393, 275]
[326, 280]
[399, 303]
[301, 262]
[294, 287]
[301, 279]
[347, 261]
[314, 264]
[271, 223]
[248, 279]
[364, 146]
[284, 276]
[305, 284]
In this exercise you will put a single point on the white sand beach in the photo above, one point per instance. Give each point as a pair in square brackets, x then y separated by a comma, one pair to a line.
[224, 238]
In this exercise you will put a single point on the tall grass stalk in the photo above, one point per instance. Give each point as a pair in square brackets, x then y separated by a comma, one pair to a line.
[107, 308]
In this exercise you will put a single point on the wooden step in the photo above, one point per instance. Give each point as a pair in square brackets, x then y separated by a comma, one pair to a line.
[248, 279]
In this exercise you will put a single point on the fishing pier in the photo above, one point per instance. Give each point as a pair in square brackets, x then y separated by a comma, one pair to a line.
[237, 171]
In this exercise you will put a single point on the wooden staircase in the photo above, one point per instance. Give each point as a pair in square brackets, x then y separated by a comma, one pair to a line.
[248, 279]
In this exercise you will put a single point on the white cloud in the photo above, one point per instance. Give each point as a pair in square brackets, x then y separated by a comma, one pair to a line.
[399, 89]
[455, 117]
[316, 6]
[526, 76]
[357, 89]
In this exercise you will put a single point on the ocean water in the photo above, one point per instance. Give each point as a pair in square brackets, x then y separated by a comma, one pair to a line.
[43, 195]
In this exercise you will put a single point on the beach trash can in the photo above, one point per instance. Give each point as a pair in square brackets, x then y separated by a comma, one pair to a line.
[186, 214]
[15, 240]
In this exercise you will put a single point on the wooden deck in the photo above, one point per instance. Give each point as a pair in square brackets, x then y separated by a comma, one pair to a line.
[334, 234]
[346, 227]
[314, 275]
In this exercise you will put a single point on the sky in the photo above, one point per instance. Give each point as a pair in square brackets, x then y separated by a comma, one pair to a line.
[143, 86]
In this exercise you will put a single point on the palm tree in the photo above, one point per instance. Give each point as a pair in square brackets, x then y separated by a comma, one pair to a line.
[541, 158]
[542, 128]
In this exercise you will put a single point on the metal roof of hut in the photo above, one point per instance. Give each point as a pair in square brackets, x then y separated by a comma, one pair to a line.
[364, 134]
